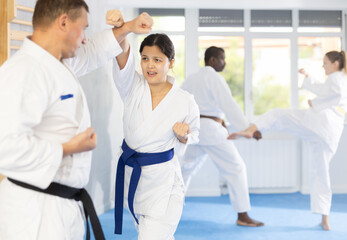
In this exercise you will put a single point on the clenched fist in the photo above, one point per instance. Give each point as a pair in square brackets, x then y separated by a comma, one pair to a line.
[114, 18]
[181, 131]
[303, 71]
[142, 24]
[82, 142]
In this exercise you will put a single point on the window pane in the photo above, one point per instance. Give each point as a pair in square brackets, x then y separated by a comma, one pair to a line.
[166, 19]
[234, 56]
[171, 23]
[178, 70]
[271, 74]
[311, 53]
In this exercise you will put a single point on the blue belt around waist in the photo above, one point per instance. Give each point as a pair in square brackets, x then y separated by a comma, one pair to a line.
[135, 160]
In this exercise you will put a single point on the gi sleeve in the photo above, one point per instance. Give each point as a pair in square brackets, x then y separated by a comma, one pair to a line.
[328, 94]
[313, 86]
[23, 101]
[225, 101]
[126, 78]
[98, 50]
[193, 119]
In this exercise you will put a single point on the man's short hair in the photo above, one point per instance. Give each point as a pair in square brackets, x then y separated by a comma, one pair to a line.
[46, 11]
[212, 52]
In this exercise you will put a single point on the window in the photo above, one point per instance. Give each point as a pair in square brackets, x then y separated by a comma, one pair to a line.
[213, 23]
[271, 74]
[172, 20]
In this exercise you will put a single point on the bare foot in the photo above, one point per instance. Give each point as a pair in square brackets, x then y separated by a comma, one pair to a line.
[325, 223]
[245, 220]
[248, 133]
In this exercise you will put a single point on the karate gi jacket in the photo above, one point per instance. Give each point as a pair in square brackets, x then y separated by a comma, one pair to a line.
[150, 131]
[214, 98]
[43, 106]
[323, 118]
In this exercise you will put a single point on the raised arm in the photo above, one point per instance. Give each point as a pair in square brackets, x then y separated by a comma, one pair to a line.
[124, 73]
[108, 44]
[140, 25]
[226, 102]
[328, 93]
[312, 85]
[331, 97]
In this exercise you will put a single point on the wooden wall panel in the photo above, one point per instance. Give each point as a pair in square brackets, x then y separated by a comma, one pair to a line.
[8, 15]
[4, 40]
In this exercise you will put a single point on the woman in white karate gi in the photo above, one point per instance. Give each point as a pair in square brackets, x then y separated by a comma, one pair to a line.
[159, 118]
[321, 125]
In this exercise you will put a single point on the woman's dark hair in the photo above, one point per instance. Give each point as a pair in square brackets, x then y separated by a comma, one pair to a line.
[212, 52]
[337, 56]
[162, 41]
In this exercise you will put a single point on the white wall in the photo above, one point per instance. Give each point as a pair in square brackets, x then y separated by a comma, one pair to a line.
[106, 110]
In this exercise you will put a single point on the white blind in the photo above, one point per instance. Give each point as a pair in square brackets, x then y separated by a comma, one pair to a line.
[309, 18]
[220, 18]
[271, 18]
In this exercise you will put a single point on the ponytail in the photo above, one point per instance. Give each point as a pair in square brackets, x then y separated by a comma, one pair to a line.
[338, 56]
[343, 61]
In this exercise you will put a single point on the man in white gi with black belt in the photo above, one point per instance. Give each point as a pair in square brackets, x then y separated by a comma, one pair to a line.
[45, 133]
[214, 98]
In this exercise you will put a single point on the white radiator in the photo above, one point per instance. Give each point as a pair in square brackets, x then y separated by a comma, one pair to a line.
[273, 163]
[273, 166]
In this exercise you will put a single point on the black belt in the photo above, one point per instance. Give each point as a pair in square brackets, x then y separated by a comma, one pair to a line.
[78, 194]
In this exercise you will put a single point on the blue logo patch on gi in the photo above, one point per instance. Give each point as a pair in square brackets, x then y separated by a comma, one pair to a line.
[63, 97]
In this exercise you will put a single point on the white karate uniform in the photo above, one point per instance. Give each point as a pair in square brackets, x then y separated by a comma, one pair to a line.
[35, 120]
[159, 196]
[321, 126]
[214, 98]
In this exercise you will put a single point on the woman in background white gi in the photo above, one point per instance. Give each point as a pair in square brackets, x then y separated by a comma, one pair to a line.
[158, 116]
[321, 125]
